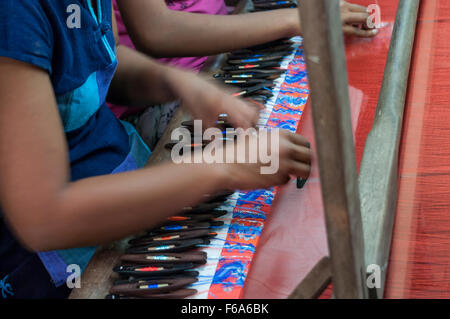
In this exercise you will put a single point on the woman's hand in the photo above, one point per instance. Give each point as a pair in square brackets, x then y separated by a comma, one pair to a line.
[275, 161]
[206, 101]
[354, 20]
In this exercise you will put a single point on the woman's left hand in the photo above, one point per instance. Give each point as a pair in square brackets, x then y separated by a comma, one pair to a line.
[206, 101]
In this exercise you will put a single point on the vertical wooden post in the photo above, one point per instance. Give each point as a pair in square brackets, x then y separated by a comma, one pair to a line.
[327, 73]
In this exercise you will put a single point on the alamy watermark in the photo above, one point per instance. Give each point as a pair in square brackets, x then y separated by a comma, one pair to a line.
[74, 18]
[74, 278]
[373, 280]
[374, 19]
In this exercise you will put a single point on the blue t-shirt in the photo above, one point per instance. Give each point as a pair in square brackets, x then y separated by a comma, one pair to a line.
[74, 43]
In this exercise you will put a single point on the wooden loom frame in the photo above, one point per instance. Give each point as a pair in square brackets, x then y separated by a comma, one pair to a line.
[359, 214]
[349, 206]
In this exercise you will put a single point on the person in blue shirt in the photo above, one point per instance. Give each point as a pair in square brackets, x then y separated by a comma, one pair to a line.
[71, 174]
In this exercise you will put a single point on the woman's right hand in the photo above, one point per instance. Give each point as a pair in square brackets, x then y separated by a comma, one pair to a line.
[290, 156]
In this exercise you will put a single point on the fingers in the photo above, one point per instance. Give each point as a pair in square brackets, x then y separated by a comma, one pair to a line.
[241, 114]
[257, 104]
[296, 139]
[297, 147]
[355, 18]
[207, 114]
[356, 7]
[293, 159]
[299, 169]
[353, 14]
[301, 154]
[297, 155]
[354, 31]
[208, 101]
[299, 161]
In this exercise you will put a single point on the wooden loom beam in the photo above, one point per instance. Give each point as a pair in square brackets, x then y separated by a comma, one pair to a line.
[379, 167]
[327, 73]
[315, 282]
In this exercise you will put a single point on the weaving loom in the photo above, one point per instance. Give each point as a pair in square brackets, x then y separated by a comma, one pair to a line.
[230, 251]
[419, 249]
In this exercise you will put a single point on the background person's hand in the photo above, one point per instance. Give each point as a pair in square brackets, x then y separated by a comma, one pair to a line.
[354, 20]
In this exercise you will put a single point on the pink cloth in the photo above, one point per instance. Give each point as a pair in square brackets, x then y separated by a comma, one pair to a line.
[215, 7]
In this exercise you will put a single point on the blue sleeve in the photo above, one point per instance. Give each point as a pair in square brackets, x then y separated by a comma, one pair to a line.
[25, 32]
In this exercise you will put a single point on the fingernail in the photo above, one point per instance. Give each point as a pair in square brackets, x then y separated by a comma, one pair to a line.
[308, 145]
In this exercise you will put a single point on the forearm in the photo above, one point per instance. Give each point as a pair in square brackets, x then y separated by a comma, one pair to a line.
[106, 208]
[142, 81]
[177, 33]
[44, 209]
[139, 80]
